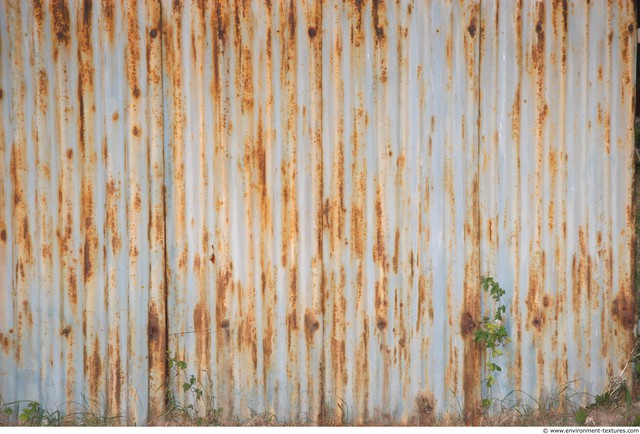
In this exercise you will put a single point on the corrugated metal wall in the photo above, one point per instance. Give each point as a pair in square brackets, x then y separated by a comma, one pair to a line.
[298, 198]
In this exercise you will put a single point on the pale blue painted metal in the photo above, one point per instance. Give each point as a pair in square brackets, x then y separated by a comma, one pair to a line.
[556, 189]
[298, 200]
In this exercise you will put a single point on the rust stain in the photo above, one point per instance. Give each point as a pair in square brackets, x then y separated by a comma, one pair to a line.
[60, 23]
[183, 257]
[515, 115]
[535, 315]
[85, 91]
[133, 52]
[113, 196]
[39, 13]
[25, 238]
[471, 28]
[202, 325]
[538, 49]
[93, 369]
[467, 325]
[358, 229]
[362, 374]
[115, 374]
[108, 14]
[247, 332]
[244, 80]
[292, 315]
[424, 304]
[449, 54]
[311, 325]
[72, 289]
[623, 310]
[379, 250]
[43, 91]
[395, 253]
[153, 332]
[26, 312]
[5, 342]
[560, 12]
[381, 303]
[219, 24]
[212, 258]
[338, 329]
[259, 156]
[630, 37]
[223, 282]
[137, 201]
[88, 260]
[71, 374]
[379, 19]
[580, 271]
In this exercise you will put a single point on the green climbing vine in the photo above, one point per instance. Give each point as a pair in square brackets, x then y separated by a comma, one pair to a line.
[492, 333]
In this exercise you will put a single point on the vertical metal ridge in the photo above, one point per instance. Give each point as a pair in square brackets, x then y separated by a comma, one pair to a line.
[158, 309]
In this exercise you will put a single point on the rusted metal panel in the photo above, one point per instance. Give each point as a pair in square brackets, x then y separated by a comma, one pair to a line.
[298, 199]
[82, 204]
[556, 180]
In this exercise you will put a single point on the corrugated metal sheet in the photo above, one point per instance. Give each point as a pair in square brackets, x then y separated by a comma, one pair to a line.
[556, 127]
[298, 198]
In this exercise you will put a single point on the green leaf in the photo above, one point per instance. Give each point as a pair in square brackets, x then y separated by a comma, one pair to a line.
[186, 386]
[182, 364]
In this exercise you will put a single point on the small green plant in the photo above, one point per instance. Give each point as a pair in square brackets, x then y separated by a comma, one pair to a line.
[33, 412]
[202, 411]
[602, 400]
[492, 334]
[34, 415]
[581, 416]
[5, 413]
[77, 414]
